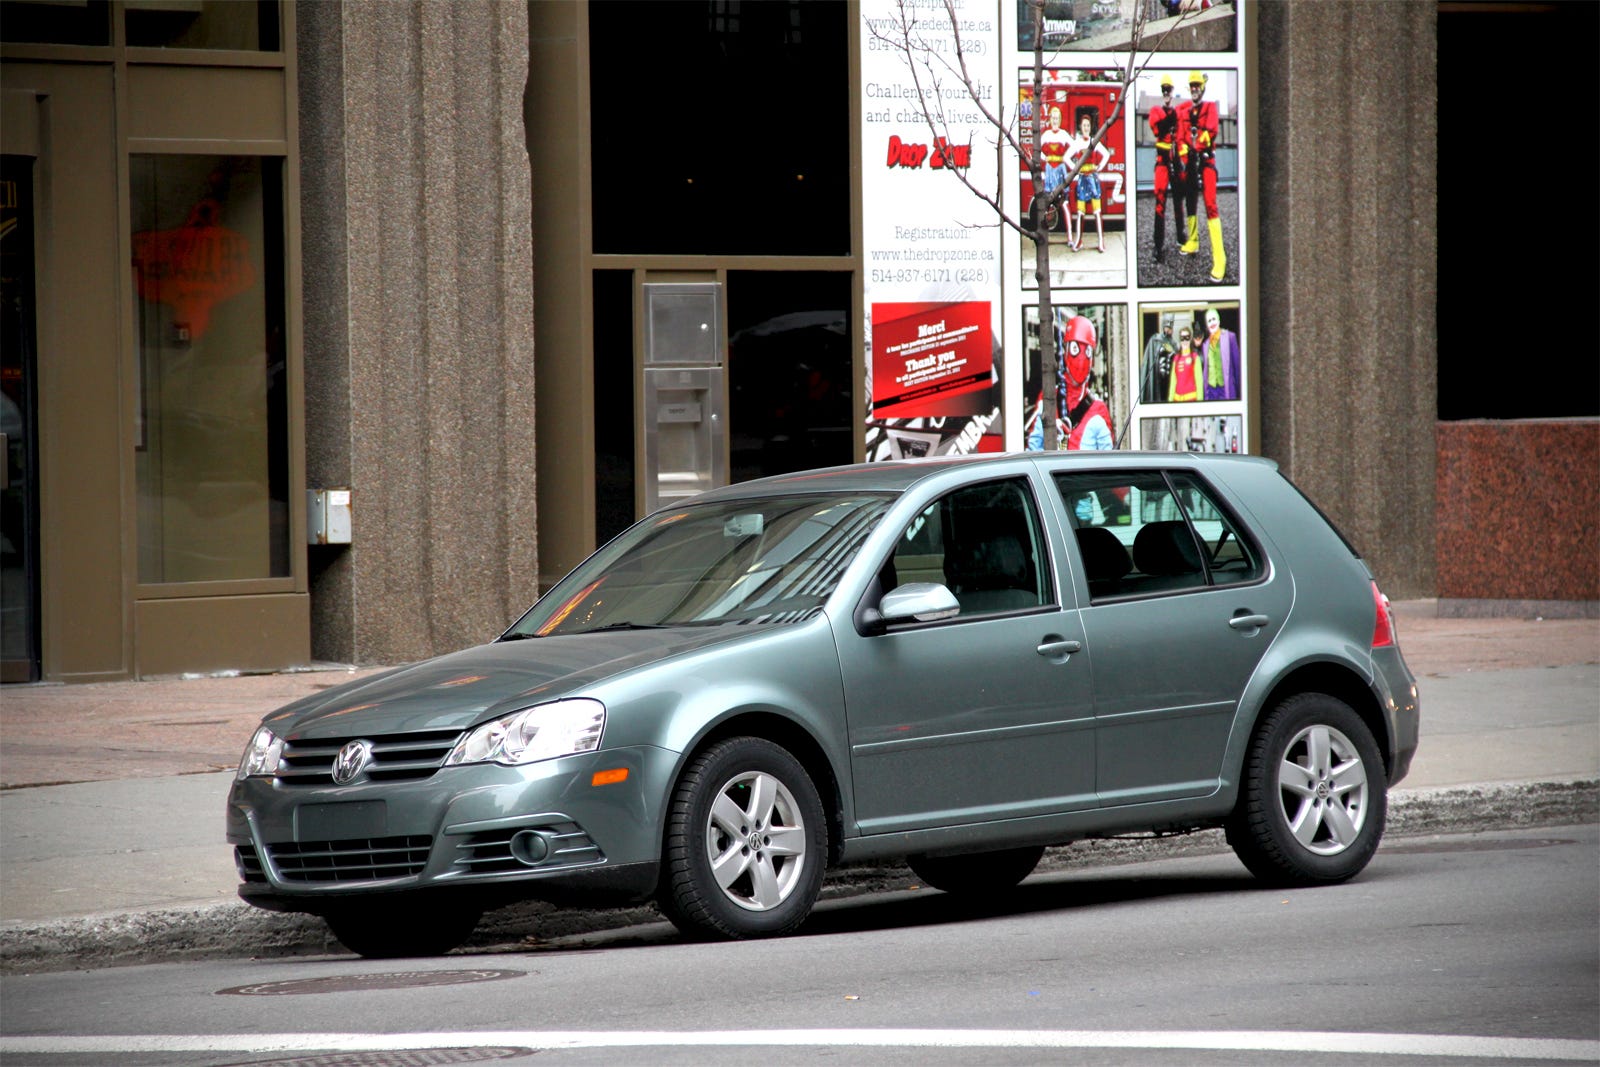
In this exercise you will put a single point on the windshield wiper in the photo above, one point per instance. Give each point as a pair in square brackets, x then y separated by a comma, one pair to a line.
[624, 626]
[518, 637]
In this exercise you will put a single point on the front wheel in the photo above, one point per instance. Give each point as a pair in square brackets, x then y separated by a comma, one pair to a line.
[392, 930]
[746, 843]
[1314, 794]
[981, 872]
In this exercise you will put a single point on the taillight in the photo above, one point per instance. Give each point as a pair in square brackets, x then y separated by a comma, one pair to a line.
[1383, 628]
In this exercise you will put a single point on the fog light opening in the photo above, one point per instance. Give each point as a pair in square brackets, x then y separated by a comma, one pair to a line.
[529, 847]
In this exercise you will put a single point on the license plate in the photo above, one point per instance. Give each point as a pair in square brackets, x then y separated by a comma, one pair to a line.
[335, 822]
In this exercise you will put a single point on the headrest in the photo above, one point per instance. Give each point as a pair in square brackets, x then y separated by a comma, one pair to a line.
[1006, 558]
[1166, 548]
[1104, 558]
[993, 556]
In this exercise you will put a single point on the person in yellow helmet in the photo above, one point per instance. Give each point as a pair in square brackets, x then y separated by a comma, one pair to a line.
[1199, 127]
[1169, 165]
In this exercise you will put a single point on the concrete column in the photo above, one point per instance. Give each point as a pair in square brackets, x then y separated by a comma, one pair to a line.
[1347, 132]
[419, 321]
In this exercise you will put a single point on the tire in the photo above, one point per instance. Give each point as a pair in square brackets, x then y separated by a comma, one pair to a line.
[746, 843]
[1314, 796]
[980, 872]
[389, 931]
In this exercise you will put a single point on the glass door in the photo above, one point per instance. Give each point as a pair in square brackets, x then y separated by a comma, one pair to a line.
[790, 404]
[19, 495]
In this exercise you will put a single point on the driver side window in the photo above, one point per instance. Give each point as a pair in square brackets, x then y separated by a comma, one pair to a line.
[984, 543]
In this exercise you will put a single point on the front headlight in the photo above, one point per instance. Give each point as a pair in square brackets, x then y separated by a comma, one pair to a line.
[538, 733]
[261, 755]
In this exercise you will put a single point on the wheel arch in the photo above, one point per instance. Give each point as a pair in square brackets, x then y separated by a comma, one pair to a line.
[795, 739]
[1338, 680]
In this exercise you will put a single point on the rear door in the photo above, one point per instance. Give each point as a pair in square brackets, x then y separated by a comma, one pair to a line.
[1182, 606]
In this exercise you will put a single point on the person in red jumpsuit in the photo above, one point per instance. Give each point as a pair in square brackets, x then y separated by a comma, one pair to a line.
[1169, 166]
[1199, 128]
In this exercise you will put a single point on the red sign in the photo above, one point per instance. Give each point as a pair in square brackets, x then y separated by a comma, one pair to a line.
[193, 268]
[924, 355]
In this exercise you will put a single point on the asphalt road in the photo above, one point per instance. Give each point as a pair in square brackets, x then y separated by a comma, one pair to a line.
[1451, 949]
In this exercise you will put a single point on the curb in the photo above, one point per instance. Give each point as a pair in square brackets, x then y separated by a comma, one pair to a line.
[235, 930]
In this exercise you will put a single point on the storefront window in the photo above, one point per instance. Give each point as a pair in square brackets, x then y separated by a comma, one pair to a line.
[212, 423]
[53, 22]
[224, 24]
[763, 170]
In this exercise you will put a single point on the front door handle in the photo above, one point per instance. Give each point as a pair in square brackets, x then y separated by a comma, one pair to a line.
[1249, 623]
[1055, 646]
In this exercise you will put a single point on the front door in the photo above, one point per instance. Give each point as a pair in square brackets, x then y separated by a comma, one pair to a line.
[985, 716]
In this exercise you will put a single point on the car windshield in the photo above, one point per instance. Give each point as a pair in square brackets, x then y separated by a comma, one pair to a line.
[764, 560]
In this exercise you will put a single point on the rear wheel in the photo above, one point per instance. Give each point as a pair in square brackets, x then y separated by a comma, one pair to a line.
[1314, 794]
[392, 930]
[980, 872]
[746, 843]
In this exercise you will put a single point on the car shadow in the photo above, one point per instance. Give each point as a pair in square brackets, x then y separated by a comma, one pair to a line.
[907, 908]
[892, 908]
[931, 907]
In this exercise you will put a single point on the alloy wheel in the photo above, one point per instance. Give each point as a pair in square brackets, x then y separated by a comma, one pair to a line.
[1322, 786]
[756, 841]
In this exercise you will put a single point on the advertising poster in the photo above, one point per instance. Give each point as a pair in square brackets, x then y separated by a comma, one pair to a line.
[939, 259]
[1091, 393]
[1088, 229]
[1103, 25]
[931, 360]
[931, 247]
[1191, 353]
[1205, 433]
[1187, 176]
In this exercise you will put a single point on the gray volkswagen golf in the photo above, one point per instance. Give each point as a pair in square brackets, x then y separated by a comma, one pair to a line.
[958, 662]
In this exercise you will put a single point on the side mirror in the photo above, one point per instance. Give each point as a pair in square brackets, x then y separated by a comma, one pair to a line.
[919, 601]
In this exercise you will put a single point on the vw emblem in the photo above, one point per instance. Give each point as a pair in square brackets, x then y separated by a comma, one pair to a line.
[351, 761]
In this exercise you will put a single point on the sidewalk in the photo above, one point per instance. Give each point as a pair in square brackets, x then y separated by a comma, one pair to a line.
[112, 810]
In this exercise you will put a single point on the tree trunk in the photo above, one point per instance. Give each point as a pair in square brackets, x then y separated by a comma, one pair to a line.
[1039, 219]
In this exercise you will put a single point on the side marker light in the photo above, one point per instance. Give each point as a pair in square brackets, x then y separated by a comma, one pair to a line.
[611, 777]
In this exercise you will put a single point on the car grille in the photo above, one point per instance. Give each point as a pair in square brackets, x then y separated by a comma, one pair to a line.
[362, 859]
[248, 863]
[395, 757]
[490, 852]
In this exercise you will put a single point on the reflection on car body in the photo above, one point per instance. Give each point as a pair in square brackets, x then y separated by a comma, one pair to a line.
[957, 661]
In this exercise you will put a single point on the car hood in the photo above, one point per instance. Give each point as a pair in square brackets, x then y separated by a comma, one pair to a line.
[465, 688]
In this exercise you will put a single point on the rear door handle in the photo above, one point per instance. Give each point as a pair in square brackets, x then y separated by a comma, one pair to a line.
[1057, 647]
[1251, 623]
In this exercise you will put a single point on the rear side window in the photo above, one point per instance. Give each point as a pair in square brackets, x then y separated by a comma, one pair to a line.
[1142, 533]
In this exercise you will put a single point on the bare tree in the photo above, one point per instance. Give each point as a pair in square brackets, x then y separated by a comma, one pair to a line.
[933, 65]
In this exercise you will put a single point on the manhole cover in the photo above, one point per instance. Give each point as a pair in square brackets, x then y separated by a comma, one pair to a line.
[1479, 846]
[346, 983]
[424, 1057]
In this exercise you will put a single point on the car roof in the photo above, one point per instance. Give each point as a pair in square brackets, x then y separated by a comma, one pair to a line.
[895, 476]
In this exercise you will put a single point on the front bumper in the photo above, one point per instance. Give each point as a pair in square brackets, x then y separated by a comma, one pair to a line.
[542, 831]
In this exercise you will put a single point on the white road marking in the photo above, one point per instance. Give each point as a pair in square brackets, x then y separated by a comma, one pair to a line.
[1493, 1048]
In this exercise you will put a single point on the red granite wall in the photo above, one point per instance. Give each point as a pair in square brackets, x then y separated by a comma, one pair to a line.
[1518, 509]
